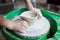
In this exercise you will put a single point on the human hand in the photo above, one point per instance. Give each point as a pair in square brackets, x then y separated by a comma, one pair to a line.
[19, 26]
[31, 8]
[37, 11]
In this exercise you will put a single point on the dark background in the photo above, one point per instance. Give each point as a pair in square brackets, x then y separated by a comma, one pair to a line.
[57, 2]
[7, 5]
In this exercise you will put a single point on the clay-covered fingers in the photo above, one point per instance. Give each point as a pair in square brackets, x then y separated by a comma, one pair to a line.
[21, 26]
[38, 12]
[25, 23]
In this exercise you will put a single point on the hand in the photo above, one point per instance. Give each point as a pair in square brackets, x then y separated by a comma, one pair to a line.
[16, 26]
[31, 8]
[37, 11]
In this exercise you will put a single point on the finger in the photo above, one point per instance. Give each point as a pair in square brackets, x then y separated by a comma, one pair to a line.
[25, 23]
[38, 12]
[38, 16]
[23, 29]
[20, 28]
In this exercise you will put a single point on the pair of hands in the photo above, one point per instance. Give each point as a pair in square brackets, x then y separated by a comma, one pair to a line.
[21, 26]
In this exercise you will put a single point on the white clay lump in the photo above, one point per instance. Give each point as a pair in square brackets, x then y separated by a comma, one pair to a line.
[37, 27]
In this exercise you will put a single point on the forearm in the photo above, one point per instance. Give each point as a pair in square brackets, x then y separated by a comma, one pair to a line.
[2, 20]
[29, 4]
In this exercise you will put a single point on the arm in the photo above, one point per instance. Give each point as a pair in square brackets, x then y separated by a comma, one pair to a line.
[2, 19]
[29, 4]
[31, 8]
[17, 26]
[4, 22]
